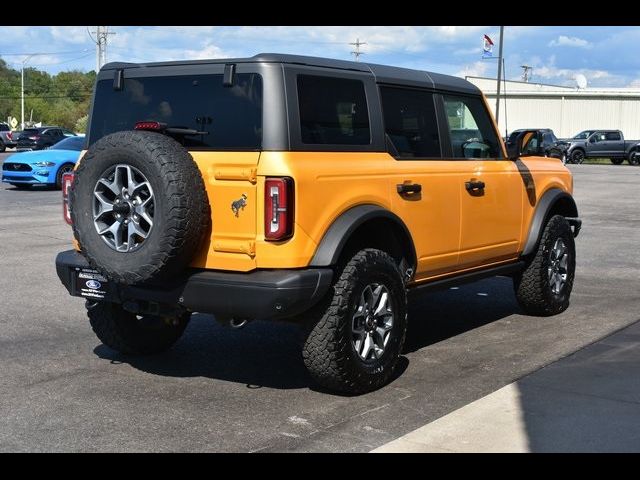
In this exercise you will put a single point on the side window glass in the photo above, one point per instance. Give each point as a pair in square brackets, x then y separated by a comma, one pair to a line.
[471, 129]
[410, 123]
[612, 136]
[333, 111]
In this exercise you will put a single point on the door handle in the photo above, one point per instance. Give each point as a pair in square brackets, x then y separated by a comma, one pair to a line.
[474, 186]
[408, 188]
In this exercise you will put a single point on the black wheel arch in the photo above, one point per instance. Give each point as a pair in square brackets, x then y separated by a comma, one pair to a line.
[553, 201]
[352, 229]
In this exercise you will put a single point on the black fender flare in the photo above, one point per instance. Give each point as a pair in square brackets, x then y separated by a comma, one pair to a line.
[338, 234]
[550, 198]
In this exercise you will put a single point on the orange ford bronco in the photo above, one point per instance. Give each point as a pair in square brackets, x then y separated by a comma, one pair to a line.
[313, 190]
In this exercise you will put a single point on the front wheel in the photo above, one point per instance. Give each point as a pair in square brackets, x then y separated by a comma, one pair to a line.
[577, 156]
[544, 287]
[617, 161]
[358, 330]
[134, 334]
[66, 168]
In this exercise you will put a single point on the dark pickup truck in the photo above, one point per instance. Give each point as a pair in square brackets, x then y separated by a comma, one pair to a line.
[600, 144]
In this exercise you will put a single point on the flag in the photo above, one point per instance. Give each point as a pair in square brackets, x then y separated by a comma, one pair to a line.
[487, 47]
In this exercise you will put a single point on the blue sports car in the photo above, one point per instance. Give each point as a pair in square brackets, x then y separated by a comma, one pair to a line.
[42, 167]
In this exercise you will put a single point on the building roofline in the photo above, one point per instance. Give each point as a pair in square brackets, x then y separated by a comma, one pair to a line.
[564, 87]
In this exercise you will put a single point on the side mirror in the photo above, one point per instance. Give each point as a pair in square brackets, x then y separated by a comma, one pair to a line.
[525, 144]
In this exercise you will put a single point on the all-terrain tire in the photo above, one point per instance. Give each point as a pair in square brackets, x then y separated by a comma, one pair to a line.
[534, 288]
[132, 334]
[329, 352]
[181, 208]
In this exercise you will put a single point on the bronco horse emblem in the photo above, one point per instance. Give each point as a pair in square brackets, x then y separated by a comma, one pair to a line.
[239, 204]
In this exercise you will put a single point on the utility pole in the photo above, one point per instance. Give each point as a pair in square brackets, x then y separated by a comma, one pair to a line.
[525, 73]
[102, 35]
[499, 76]
[357, 51]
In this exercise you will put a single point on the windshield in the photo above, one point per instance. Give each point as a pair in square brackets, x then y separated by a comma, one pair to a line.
[226, 118]
[70, 143]
[583, 135]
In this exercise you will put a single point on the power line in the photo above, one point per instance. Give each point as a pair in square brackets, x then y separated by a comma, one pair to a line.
[64, 61]
[46, 96]
[357, 51]
[41, 53]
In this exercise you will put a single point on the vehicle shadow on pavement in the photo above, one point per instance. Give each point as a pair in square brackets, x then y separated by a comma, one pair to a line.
[437, 315]
[262, 354]
[268, 354]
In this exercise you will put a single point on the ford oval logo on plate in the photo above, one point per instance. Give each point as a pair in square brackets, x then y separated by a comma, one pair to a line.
[93, 284]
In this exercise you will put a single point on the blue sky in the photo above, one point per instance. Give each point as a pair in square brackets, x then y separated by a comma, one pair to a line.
[607, 56]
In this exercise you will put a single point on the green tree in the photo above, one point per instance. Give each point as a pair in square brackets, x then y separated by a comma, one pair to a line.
[81, 124]
[60, 99]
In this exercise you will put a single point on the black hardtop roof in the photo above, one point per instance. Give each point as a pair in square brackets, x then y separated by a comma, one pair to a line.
[382, 73]
[540, 129]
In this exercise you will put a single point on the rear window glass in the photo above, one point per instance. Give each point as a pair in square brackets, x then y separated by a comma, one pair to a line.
[410, 122]
[612, 136]
[4, 127]
[229, 117]
[333, 111]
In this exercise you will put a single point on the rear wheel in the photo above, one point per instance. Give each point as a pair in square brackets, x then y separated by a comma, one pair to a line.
[134, 334]
[634, 158]
[358, 330]
[66, 168]
[544, 287]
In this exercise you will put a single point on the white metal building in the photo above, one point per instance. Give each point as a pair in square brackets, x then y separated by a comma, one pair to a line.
[566, 110]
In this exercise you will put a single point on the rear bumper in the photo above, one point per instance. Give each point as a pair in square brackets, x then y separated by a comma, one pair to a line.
[261, 294]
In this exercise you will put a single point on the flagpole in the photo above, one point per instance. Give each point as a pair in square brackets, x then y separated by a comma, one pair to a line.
[499, 78]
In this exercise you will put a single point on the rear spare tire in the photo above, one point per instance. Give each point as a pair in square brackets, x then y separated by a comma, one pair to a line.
[139, 206]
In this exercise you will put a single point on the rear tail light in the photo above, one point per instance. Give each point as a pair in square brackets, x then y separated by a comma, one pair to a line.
[278, 208]
[67, 183]
[10, 135]
[154, 126]
[35, 137]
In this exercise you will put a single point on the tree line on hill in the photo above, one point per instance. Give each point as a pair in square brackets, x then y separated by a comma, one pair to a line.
[62, 99]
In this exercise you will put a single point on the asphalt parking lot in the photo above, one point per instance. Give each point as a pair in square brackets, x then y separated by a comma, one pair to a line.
[247, 390]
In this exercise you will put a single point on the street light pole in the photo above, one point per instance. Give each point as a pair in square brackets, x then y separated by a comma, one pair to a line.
[22, 90]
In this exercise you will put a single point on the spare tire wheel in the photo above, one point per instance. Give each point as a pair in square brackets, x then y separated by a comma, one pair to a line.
[139, 206]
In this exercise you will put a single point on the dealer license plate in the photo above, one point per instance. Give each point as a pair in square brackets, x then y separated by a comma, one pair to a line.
[89, 283]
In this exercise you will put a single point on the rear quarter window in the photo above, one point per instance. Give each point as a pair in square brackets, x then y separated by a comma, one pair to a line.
[333, 111]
